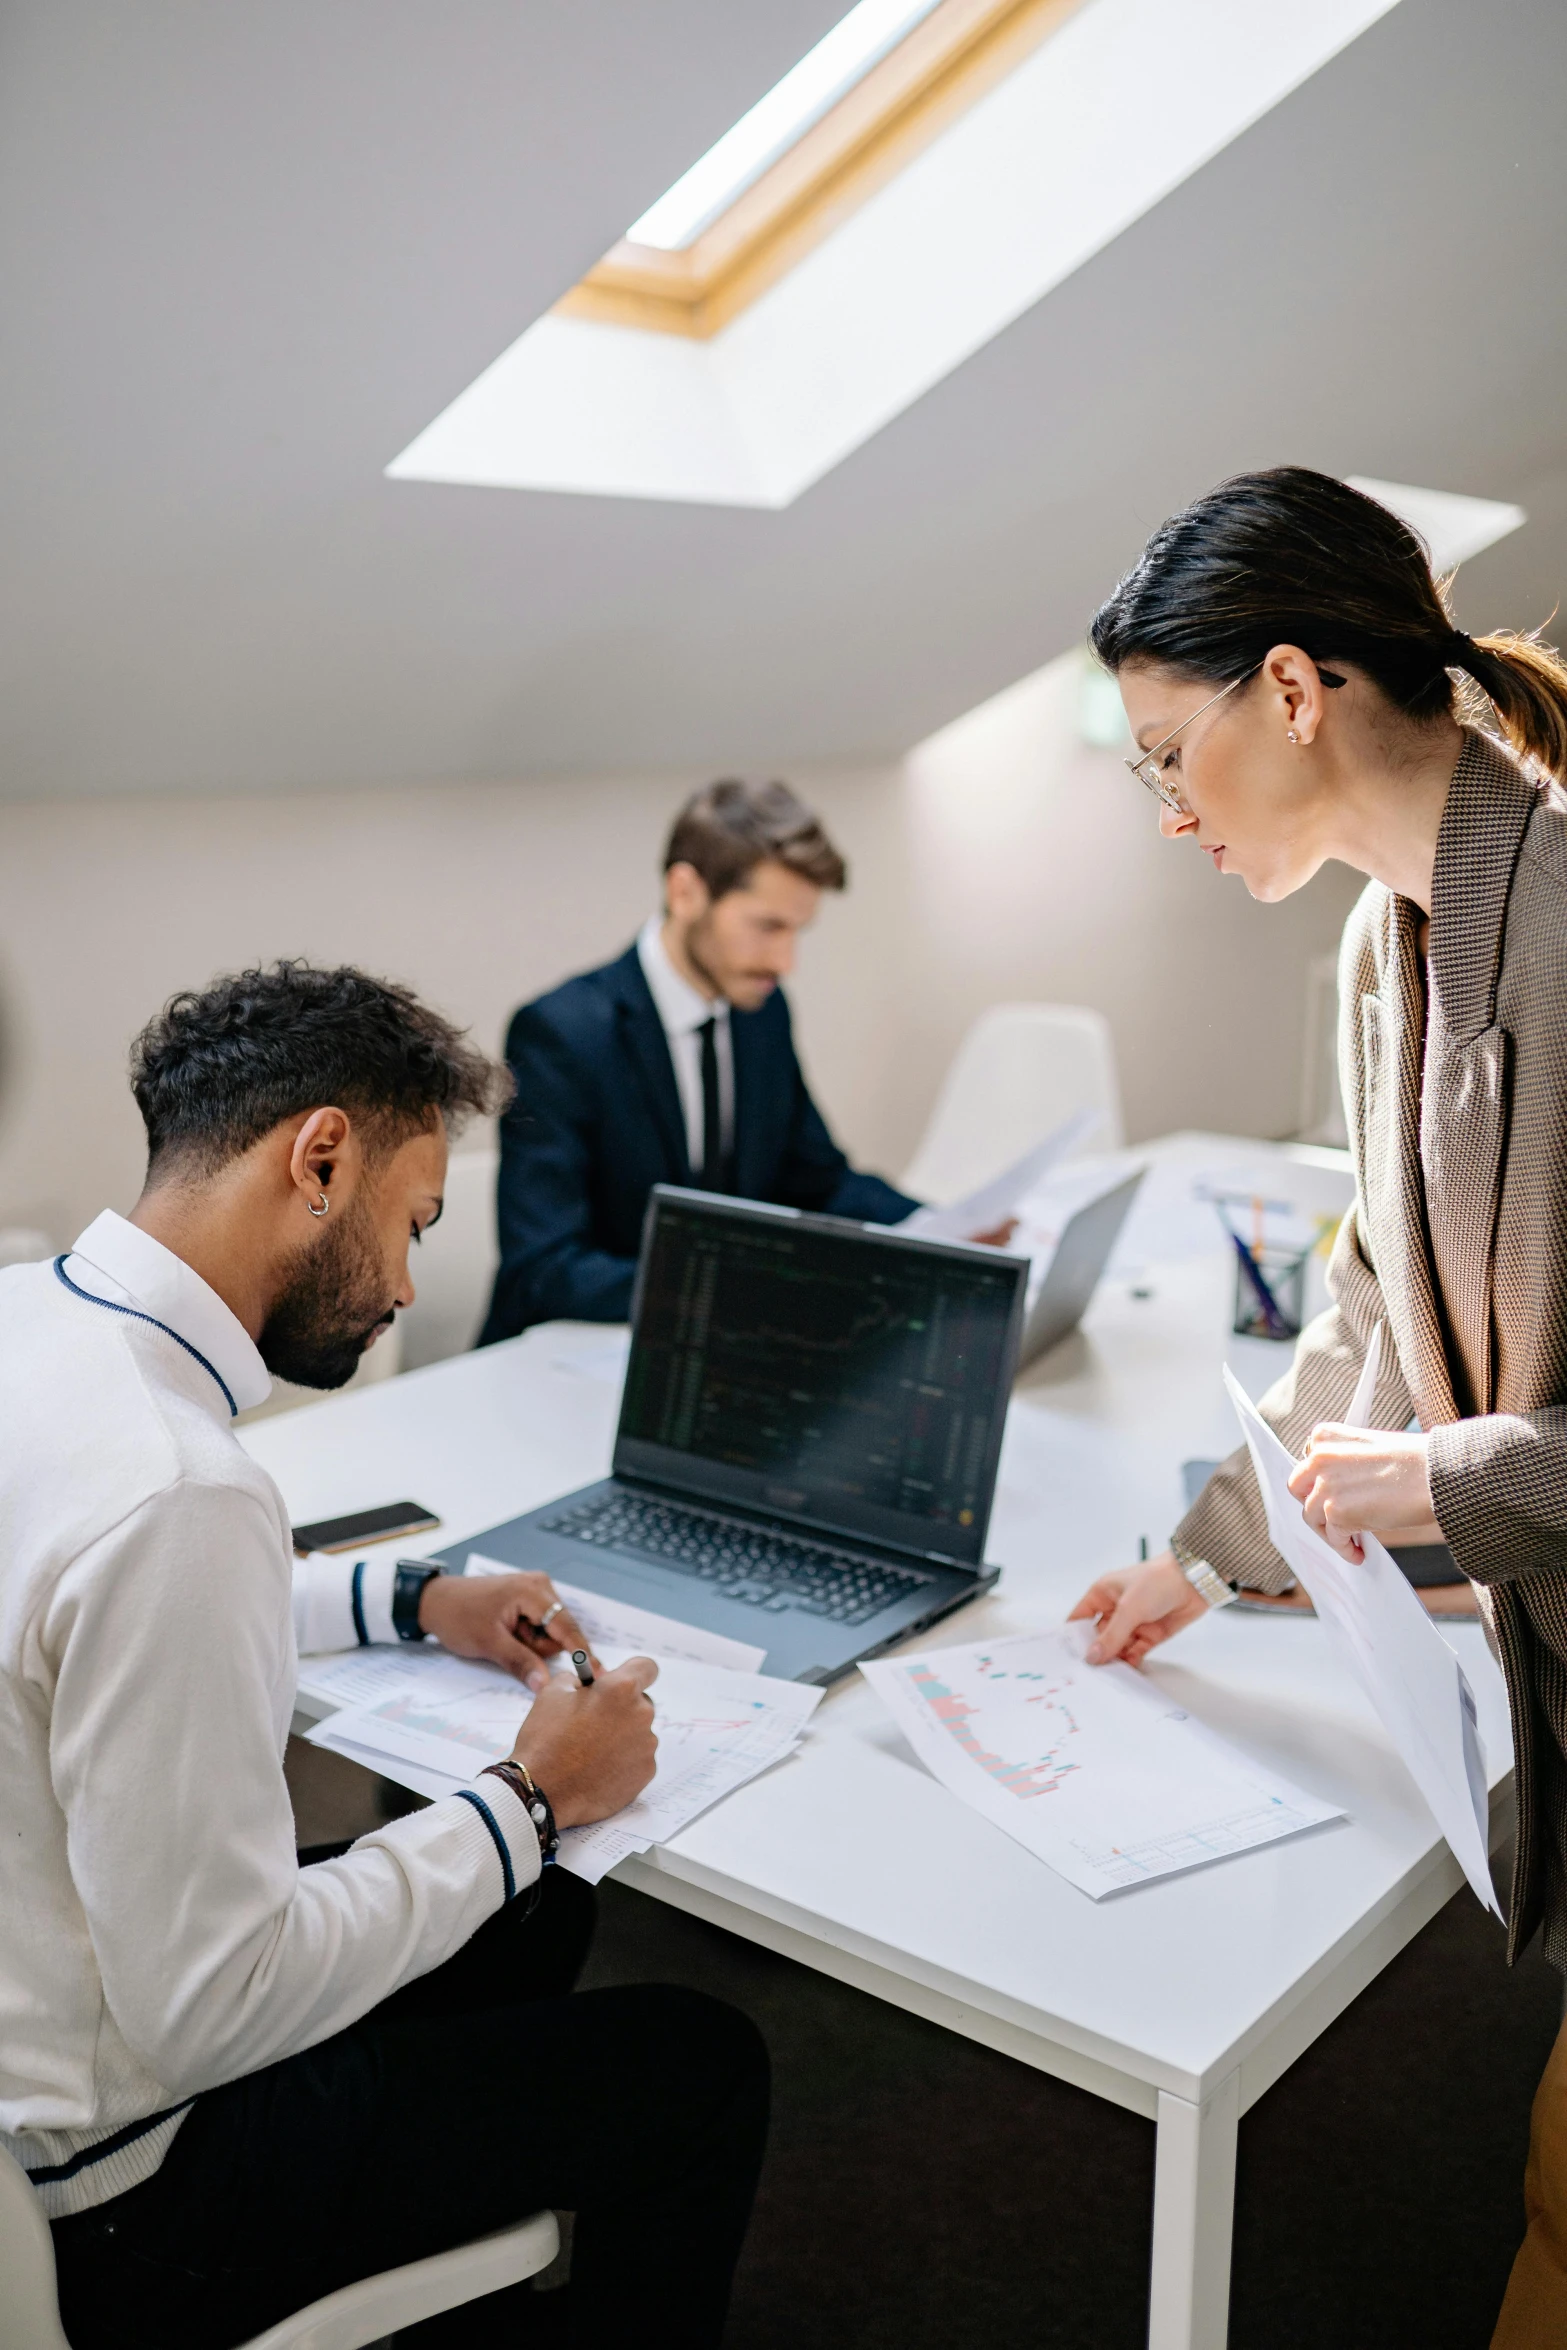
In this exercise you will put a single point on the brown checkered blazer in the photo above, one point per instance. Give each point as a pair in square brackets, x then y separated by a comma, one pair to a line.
[1458, 1237]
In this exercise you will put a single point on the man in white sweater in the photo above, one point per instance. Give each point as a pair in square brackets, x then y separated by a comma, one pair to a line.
[237, 2083]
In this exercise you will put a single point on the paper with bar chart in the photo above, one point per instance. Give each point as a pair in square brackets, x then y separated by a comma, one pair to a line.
[434, 1730]
[1093, 1767]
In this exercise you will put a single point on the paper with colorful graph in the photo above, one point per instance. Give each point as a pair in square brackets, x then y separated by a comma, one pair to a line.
[432, 1722]
[1094, 1767]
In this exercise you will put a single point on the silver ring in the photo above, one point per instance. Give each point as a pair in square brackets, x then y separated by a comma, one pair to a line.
[556, 1608]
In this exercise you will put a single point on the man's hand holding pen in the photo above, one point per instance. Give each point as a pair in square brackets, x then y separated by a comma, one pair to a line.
[591, 1744]
[589, 1740]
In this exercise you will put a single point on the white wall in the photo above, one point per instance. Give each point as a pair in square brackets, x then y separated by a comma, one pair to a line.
[478, 895]
[1038, 871]
[1004, 860]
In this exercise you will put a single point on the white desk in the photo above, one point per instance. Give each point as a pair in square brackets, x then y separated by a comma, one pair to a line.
[1183, 2000]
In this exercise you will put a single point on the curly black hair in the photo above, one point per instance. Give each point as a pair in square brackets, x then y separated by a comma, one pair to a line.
[217, 1069]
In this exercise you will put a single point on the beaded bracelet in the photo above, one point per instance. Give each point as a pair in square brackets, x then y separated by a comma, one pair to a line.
[535, 1802]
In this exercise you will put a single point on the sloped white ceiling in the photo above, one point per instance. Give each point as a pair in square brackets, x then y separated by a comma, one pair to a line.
[246, 252]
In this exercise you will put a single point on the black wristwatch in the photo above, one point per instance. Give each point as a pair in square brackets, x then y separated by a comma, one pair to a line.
[407, 1591]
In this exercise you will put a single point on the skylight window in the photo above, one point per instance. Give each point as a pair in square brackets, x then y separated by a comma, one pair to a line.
[990, 149]
[791, 108]
[1453, 527]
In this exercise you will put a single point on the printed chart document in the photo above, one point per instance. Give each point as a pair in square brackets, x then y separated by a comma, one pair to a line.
[994, 1202]
[615, 1623]
[363, 1675]
[435, 1728]
[1383, 1636]
[715, 1731]
[1093, 1767]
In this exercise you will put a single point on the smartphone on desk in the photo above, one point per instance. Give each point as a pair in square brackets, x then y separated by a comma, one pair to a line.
[385, 1524]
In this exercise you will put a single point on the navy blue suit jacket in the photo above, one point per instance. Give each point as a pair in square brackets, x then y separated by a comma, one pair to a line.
[597, 1122]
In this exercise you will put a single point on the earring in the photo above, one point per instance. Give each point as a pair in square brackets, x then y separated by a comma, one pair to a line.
[1292, 736]
[322, 1209]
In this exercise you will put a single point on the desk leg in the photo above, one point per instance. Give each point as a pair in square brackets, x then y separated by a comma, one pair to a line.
[1193, 2220]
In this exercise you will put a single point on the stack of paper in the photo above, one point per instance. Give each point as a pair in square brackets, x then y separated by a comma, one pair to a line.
[432, 1721]
[1093, 1767]
[1385, 1639]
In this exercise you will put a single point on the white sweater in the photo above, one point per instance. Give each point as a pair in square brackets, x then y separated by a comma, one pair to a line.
[156, 1934]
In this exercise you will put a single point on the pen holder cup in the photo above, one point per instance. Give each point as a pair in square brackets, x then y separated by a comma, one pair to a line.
[1270, 1291]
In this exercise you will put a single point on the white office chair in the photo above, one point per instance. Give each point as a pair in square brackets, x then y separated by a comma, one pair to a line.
[346, 2320]
[454, 1267]
[1020, 1072]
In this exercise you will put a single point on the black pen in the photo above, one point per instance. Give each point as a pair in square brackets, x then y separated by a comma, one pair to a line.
[579, 1657]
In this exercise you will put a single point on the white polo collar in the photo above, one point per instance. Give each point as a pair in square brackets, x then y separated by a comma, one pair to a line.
[140, 1272]
[680, 1006]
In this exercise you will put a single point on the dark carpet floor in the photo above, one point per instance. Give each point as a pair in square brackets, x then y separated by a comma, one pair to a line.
[922, 2192]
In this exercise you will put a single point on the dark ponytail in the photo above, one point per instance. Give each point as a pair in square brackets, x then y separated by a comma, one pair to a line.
[1295, 557]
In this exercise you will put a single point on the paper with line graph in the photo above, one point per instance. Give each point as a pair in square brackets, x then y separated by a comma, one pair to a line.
[1093, 1767]
[716, 1729]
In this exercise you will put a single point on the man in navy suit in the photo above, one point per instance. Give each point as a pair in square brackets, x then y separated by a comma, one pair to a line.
[673, 1064]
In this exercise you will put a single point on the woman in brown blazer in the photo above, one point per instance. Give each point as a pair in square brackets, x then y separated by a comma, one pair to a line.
[1288, 668]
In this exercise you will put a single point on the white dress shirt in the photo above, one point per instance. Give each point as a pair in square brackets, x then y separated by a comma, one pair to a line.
[683, 1012]
[156, 1934]
[333, 1597]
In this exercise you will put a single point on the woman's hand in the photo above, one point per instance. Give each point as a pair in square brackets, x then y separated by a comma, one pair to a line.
[1137, 1608]
[1356, 1481]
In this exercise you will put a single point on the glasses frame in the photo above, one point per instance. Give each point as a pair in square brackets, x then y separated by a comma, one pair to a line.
[1148, 775]
[1165, 793]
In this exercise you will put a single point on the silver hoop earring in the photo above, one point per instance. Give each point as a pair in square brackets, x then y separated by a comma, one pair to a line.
[322, 1209]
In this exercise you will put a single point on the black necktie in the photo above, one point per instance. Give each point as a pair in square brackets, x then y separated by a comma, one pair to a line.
[712, 1170]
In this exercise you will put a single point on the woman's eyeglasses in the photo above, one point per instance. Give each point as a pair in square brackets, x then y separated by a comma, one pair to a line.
[1146, 769]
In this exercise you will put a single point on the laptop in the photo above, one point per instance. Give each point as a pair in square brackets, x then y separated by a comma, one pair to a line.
[1081, 1255]
[808, 1437]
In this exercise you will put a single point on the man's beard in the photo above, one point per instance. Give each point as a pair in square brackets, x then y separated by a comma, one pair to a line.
[698, 945]
[329, 1309]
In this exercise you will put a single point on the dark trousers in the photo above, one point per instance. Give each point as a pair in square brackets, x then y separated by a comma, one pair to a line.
[467, 2100]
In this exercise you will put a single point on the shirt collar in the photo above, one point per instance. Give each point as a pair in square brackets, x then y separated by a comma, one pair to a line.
[157, 1282]
[679, 1005]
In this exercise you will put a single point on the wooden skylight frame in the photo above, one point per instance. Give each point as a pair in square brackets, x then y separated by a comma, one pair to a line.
[950, 59]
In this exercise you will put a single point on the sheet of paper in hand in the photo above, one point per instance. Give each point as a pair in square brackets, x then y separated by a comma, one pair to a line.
[1000, 1199]
[1389, 1644]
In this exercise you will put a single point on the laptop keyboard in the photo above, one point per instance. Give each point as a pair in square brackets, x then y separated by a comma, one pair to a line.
[769, 1571]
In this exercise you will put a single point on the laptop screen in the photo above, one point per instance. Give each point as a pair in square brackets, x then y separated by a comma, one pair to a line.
[821, 1371]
